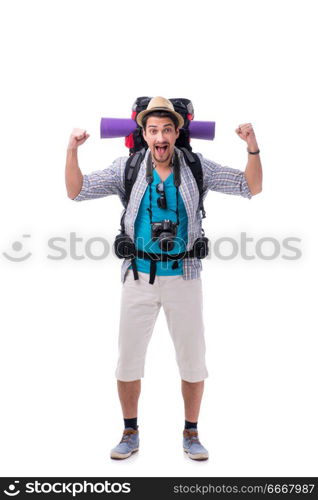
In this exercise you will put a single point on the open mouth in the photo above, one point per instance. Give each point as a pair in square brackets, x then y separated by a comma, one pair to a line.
[161, 149]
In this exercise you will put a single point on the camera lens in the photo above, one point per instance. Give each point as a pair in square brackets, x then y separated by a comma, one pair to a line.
[166, 242]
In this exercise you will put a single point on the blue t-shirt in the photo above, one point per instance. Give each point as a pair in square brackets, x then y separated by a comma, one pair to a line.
[143, 239]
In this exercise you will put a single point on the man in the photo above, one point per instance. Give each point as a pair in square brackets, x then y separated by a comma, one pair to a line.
[177, 286]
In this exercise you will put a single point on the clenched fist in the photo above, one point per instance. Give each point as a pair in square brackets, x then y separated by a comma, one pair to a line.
[78, 137]
[245, 131]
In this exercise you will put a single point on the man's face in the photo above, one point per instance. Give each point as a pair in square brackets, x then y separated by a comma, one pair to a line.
[160, 135]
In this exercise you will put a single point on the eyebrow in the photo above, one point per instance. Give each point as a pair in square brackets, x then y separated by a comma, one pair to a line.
[166, 125]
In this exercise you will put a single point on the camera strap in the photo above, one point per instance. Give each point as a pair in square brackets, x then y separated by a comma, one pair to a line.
[177, 182]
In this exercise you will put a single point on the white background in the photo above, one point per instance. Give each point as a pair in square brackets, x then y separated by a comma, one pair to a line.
[67, 64]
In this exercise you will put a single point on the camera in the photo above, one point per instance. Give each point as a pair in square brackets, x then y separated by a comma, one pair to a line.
[164, 231]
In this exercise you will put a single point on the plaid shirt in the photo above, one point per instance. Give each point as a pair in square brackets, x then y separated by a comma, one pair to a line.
[109, 181]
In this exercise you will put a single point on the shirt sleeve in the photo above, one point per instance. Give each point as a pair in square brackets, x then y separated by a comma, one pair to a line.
[100, 183]
[224, 179]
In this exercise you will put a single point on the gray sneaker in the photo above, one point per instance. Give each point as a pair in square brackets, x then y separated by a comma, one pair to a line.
[192, 445]
[129, 444]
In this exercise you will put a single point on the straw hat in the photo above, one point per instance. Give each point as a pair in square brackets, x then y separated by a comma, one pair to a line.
[159, 104]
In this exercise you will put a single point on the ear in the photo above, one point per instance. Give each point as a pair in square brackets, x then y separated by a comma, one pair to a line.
[178, 132]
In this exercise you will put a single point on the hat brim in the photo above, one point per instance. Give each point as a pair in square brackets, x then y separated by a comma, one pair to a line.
[145, 112]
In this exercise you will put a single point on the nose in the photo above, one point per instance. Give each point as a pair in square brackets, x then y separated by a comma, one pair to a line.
[160, 136]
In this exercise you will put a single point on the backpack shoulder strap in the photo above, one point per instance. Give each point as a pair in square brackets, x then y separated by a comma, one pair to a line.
[193, 161]
[131, 171]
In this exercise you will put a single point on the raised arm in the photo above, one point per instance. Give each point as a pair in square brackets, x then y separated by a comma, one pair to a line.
[73, 174]
[231, 180]
[96, 184]
[253, 171]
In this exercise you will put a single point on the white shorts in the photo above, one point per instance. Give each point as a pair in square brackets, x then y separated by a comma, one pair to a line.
[183, 307]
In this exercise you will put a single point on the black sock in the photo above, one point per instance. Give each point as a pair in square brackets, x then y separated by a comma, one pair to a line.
[189, 425]
[131, 422]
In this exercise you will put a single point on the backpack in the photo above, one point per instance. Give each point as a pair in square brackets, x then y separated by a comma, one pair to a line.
[138, 146]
